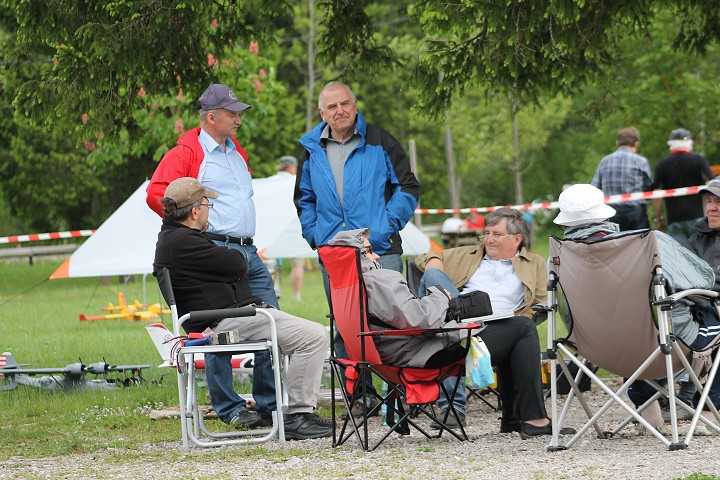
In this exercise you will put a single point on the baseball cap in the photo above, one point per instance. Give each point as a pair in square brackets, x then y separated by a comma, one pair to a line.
[582, 203]
[680, 134]
[218, 96]
[187, 190]
[712, 187]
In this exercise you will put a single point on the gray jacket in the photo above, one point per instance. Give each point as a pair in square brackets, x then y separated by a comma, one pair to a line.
[682, 269]
[391, 305]
[706, 245]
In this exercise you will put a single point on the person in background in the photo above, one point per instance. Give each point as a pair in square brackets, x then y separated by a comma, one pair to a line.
[624, 171]
[682, 168]
[474, 221]
[451, 227]
[287, 167]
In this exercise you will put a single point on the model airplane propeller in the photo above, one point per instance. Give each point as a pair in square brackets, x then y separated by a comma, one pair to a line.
[70, 377]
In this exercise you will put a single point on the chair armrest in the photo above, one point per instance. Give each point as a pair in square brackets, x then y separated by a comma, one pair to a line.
[692, 292]
[205, 315]
[419, 331]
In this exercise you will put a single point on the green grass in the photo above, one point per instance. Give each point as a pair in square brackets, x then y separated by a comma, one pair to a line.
[40, 321]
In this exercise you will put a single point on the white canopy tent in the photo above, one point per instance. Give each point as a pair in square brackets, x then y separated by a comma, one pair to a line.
[125, 243]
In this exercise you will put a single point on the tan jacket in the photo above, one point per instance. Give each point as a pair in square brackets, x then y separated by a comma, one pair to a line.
[461, 263]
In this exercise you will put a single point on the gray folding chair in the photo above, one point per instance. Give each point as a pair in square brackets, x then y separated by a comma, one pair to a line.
[612, 287]
[193, 426]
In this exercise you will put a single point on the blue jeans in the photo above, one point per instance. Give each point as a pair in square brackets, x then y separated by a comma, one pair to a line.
[218, 368]
[630, 217]
[682, 230]
[639, 391]
[434, 277]
[390, 262]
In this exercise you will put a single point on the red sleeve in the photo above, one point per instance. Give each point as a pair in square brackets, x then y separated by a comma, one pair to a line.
[175, 164]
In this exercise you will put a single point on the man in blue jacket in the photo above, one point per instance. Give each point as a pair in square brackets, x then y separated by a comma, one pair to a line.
[353, 175]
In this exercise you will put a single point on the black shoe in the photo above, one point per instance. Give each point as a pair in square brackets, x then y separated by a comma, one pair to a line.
[265, 421]
[245, 420]
[301, 426]
[451, 421]
[530, 431]
[509, 426]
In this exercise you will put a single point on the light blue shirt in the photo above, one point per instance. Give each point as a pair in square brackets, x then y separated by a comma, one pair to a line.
[226, 172]
[498, 279]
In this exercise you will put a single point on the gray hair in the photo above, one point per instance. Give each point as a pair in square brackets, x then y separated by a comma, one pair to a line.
[204, 114]
[172, 212]
[332, 86]
[515, 223]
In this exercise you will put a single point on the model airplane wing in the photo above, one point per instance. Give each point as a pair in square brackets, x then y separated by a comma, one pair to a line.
[74, 369]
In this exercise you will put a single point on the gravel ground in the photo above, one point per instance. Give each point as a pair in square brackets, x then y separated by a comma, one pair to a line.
[488, 455]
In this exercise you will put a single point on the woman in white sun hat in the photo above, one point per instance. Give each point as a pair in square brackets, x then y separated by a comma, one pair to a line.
[584, 216]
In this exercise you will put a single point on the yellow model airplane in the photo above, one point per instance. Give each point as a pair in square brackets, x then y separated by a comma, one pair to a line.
[134, 311]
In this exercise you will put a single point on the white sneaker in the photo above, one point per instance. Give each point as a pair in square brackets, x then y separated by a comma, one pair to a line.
[704, 431]
[641, 431]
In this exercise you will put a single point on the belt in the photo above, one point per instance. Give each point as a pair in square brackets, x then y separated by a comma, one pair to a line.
[229, 239]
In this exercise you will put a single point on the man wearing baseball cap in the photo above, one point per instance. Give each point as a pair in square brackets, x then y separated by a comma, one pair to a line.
[206, 276]
[211, 155]
[683, 168]
[705, 243]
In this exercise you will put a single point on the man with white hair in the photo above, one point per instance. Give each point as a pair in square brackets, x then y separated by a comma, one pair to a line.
[682, 168]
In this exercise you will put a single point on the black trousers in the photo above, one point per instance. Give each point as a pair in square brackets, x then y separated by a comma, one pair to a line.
[515, 353]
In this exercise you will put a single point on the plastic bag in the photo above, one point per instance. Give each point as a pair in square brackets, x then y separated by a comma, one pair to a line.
[478, 369]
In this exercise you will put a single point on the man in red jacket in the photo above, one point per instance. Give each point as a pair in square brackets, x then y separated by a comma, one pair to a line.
[211, 155]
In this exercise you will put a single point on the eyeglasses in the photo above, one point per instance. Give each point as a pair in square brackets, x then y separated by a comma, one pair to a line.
[208, 205]
[495, 236]
[367, 250]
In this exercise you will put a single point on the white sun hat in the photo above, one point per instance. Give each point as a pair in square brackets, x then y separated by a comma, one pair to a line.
[582, 203]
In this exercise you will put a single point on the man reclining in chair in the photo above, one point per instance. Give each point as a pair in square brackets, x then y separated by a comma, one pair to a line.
[584, 216]
[206, 276]
[513, 342]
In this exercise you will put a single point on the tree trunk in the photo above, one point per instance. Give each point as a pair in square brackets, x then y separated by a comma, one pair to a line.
[517, 154]
[310, 97]
[450, 160]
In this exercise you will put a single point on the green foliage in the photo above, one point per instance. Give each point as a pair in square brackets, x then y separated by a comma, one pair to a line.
[521, 47]
[126, 84]
[105, 52]
[699, 476]
[349, 41]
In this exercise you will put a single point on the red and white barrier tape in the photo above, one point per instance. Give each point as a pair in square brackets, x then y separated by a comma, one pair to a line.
[46, 236]
[625, 197]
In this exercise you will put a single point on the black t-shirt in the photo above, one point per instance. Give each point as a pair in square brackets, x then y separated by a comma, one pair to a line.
[682, 169]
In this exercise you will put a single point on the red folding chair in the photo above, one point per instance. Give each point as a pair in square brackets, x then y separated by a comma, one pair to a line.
[419, 388]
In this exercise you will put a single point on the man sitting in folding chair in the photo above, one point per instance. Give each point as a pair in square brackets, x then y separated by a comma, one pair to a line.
[206, 276]
[584, 216]
[513, 342]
